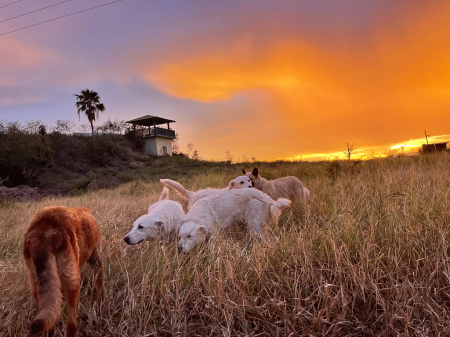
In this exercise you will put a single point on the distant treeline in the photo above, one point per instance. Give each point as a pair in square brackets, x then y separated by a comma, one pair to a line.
[65, 126]
[26, 149]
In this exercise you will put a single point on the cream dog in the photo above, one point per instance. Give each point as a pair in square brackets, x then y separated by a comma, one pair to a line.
[193, 197]
[287, 187]
[163, 218]
[226, 208]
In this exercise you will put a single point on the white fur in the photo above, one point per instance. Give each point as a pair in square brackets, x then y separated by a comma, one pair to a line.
[163, 217]
[227, 207]
[193, 197]
[287, 187]
[240, 182]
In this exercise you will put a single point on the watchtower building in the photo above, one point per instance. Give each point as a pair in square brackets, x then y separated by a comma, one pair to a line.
[158, 140]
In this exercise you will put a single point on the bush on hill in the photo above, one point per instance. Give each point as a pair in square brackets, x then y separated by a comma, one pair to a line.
[26, 152]
[22, 155]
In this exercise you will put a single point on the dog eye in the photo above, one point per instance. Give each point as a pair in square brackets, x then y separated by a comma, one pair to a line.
[242, 182]
[140, 227]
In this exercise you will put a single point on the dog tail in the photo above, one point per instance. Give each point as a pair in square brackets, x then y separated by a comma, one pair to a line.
[181, 191]
[164, 194]
[48, 286]
[277, 207]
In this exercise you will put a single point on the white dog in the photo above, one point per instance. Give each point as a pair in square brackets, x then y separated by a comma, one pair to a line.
[163, 218]
[193, 197]
[287, 187]
[240, 182]
[226, 208]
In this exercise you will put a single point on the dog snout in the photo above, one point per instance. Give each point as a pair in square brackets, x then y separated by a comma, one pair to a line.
[180, 249]
[126, 239]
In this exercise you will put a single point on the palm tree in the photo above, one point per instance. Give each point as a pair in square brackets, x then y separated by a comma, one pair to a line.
[89, 103]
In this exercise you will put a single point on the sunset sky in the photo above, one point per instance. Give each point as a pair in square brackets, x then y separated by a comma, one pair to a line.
[263, 79]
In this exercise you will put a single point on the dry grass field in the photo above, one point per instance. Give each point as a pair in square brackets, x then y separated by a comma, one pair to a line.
[367, 256]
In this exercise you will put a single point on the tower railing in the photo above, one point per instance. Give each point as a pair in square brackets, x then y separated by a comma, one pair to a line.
[155, 132]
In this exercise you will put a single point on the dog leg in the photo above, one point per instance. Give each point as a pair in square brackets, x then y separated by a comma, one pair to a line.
[71, 287]
[96, 262]
[256, 227]
[32, 280]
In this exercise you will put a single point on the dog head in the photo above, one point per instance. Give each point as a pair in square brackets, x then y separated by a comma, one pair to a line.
[147, 227]
[254, 177]
[191, 234]
[240, 182]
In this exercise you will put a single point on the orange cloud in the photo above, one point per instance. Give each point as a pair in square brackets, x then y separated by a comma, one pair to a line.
[222, 74]
[316, 97]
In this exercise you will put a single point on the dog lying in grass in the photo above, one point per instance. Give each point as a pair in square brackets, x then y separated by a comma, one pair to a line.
[226, 208]
[286, 187]
[163, 218]
[193, 197]
[58, 242]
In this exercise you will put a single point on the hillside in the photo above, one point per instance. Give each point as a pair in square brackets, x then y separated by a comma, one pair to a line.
[60, 164]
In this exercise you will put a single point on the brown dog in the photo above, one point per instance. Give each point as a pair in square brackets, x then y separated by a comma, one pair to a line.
[286, 187]
[58, 242]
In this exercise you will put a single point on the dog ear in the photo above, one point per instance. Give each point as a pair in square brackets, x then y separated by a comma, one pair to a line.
[159, 225]
[255, 172]
[231, 185]
[244, 171]
[202, 230]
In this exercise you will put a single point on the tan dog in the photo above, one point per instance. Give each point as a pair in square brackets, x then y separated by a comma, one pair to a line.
[58, 242]
[286, 187]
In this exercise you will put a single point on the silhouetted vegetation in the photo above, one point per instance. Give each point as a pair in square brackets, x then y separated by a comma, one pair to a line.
[22, 153]
[88, 102]
[27, 151]
[334, 169]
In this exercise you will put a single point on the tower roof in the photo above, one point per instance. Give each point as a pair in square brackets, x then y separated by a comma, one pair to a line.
[148, 120]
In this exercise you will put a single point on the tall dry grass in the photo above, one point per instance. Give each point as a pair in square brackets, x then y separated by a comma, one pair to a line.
[367, 256]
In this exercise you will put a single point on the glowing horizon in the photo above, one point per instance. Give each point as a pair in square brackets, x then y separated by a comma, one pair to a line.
[410, 146]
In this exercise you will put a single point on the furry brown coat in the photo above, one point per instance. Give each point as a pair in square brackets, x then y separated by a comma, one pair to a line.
[58, 242]
[286, 187]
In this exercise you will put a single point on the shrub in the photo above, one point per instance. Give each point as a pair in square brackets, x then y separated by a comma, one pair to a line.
[135, 139]
[334, 170]
[82, 185]
[22, 155]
